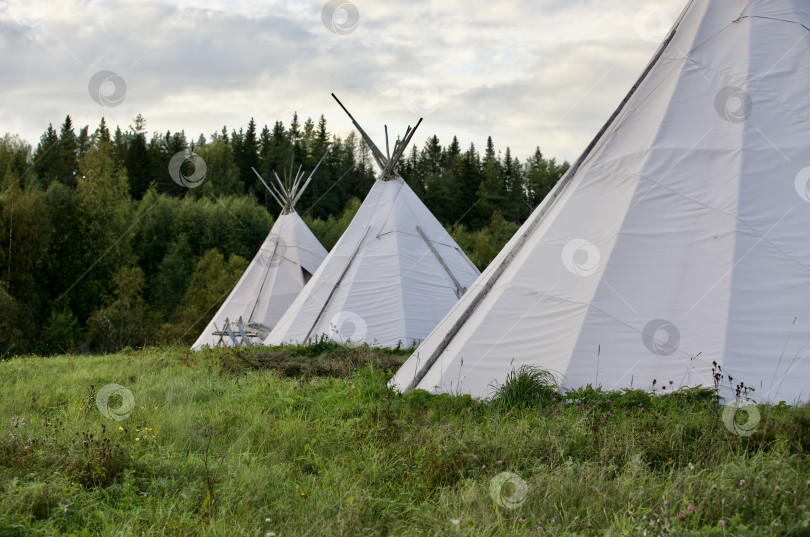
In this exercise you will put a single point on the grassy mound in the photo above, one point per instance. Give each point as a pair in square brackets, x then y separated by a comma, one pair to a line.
[310, 441]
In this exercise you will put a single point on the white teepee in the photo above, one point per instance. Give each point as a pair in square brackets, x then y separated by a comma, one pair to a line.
[391, 277]
[287, 259]
[678, 239]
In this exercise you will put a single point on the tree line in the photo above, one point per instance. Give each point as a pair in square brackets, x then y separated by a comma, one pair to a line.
[102, 249]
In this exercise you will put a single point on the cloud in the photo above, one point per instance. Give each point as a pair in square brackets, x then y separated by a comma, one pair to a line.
[545, 73]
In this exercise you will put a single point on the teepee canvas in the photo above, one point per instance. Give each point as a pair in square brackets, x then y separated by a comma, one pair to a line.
[390, 278]
[287, 259]
[676, 241]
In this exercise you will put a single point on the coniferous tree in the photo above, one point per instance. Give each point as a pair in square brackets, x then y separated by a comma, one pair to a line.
[67, 164]
[137, 159]
[102, 133]
[248, 157]
[46, 157]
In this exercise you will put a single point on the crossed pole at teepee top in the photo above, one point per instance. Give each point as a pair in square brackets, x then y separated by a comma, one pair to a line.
[288, 193]
[386, 162]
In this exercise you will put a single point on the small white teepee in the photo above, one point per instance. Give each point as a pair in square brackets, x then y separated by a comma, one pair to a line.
[287, 259]
[677, 241]
[391, 277]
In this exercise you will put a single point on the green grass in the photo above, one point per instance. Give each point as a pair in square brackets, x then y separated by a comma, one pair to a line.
[311, 439]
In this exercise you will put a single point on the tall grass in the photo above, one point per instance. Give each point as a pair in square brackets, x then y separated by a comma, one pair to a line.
[234, 442]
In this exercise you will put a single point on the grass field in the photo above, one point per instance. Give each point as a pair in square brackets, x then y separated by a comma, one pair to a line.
[309, 441]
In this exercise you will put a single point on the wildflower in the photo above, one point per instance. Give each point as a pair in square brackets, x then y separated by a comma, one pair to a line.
[714, 487]
[500, 462]
[267, 520]
[120, 428]
[556, 410]
[539, 528]
[610, 415]
[681, 515]
[742, 482]
[666, 503]
[475, 458]
[553, 520]
[630, 500]
[723, 523]
[610, 402]
[520, 519]
[483, 466]
[137, 439]
[553, 399]
[691, 507]
[776, 488]
[455, 521]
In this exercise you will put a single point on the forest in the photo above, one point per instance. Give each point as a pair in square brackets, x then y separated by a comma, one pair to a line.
[102, 249]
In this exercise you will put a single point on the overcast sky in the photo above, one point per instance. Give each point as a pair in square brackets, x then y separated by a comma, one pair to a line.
[530, 73]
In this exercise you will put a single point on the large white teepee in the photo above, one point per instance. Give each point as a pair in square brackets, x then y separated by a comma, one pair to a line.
[287, 259]
[678, 239]
[390, 278]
